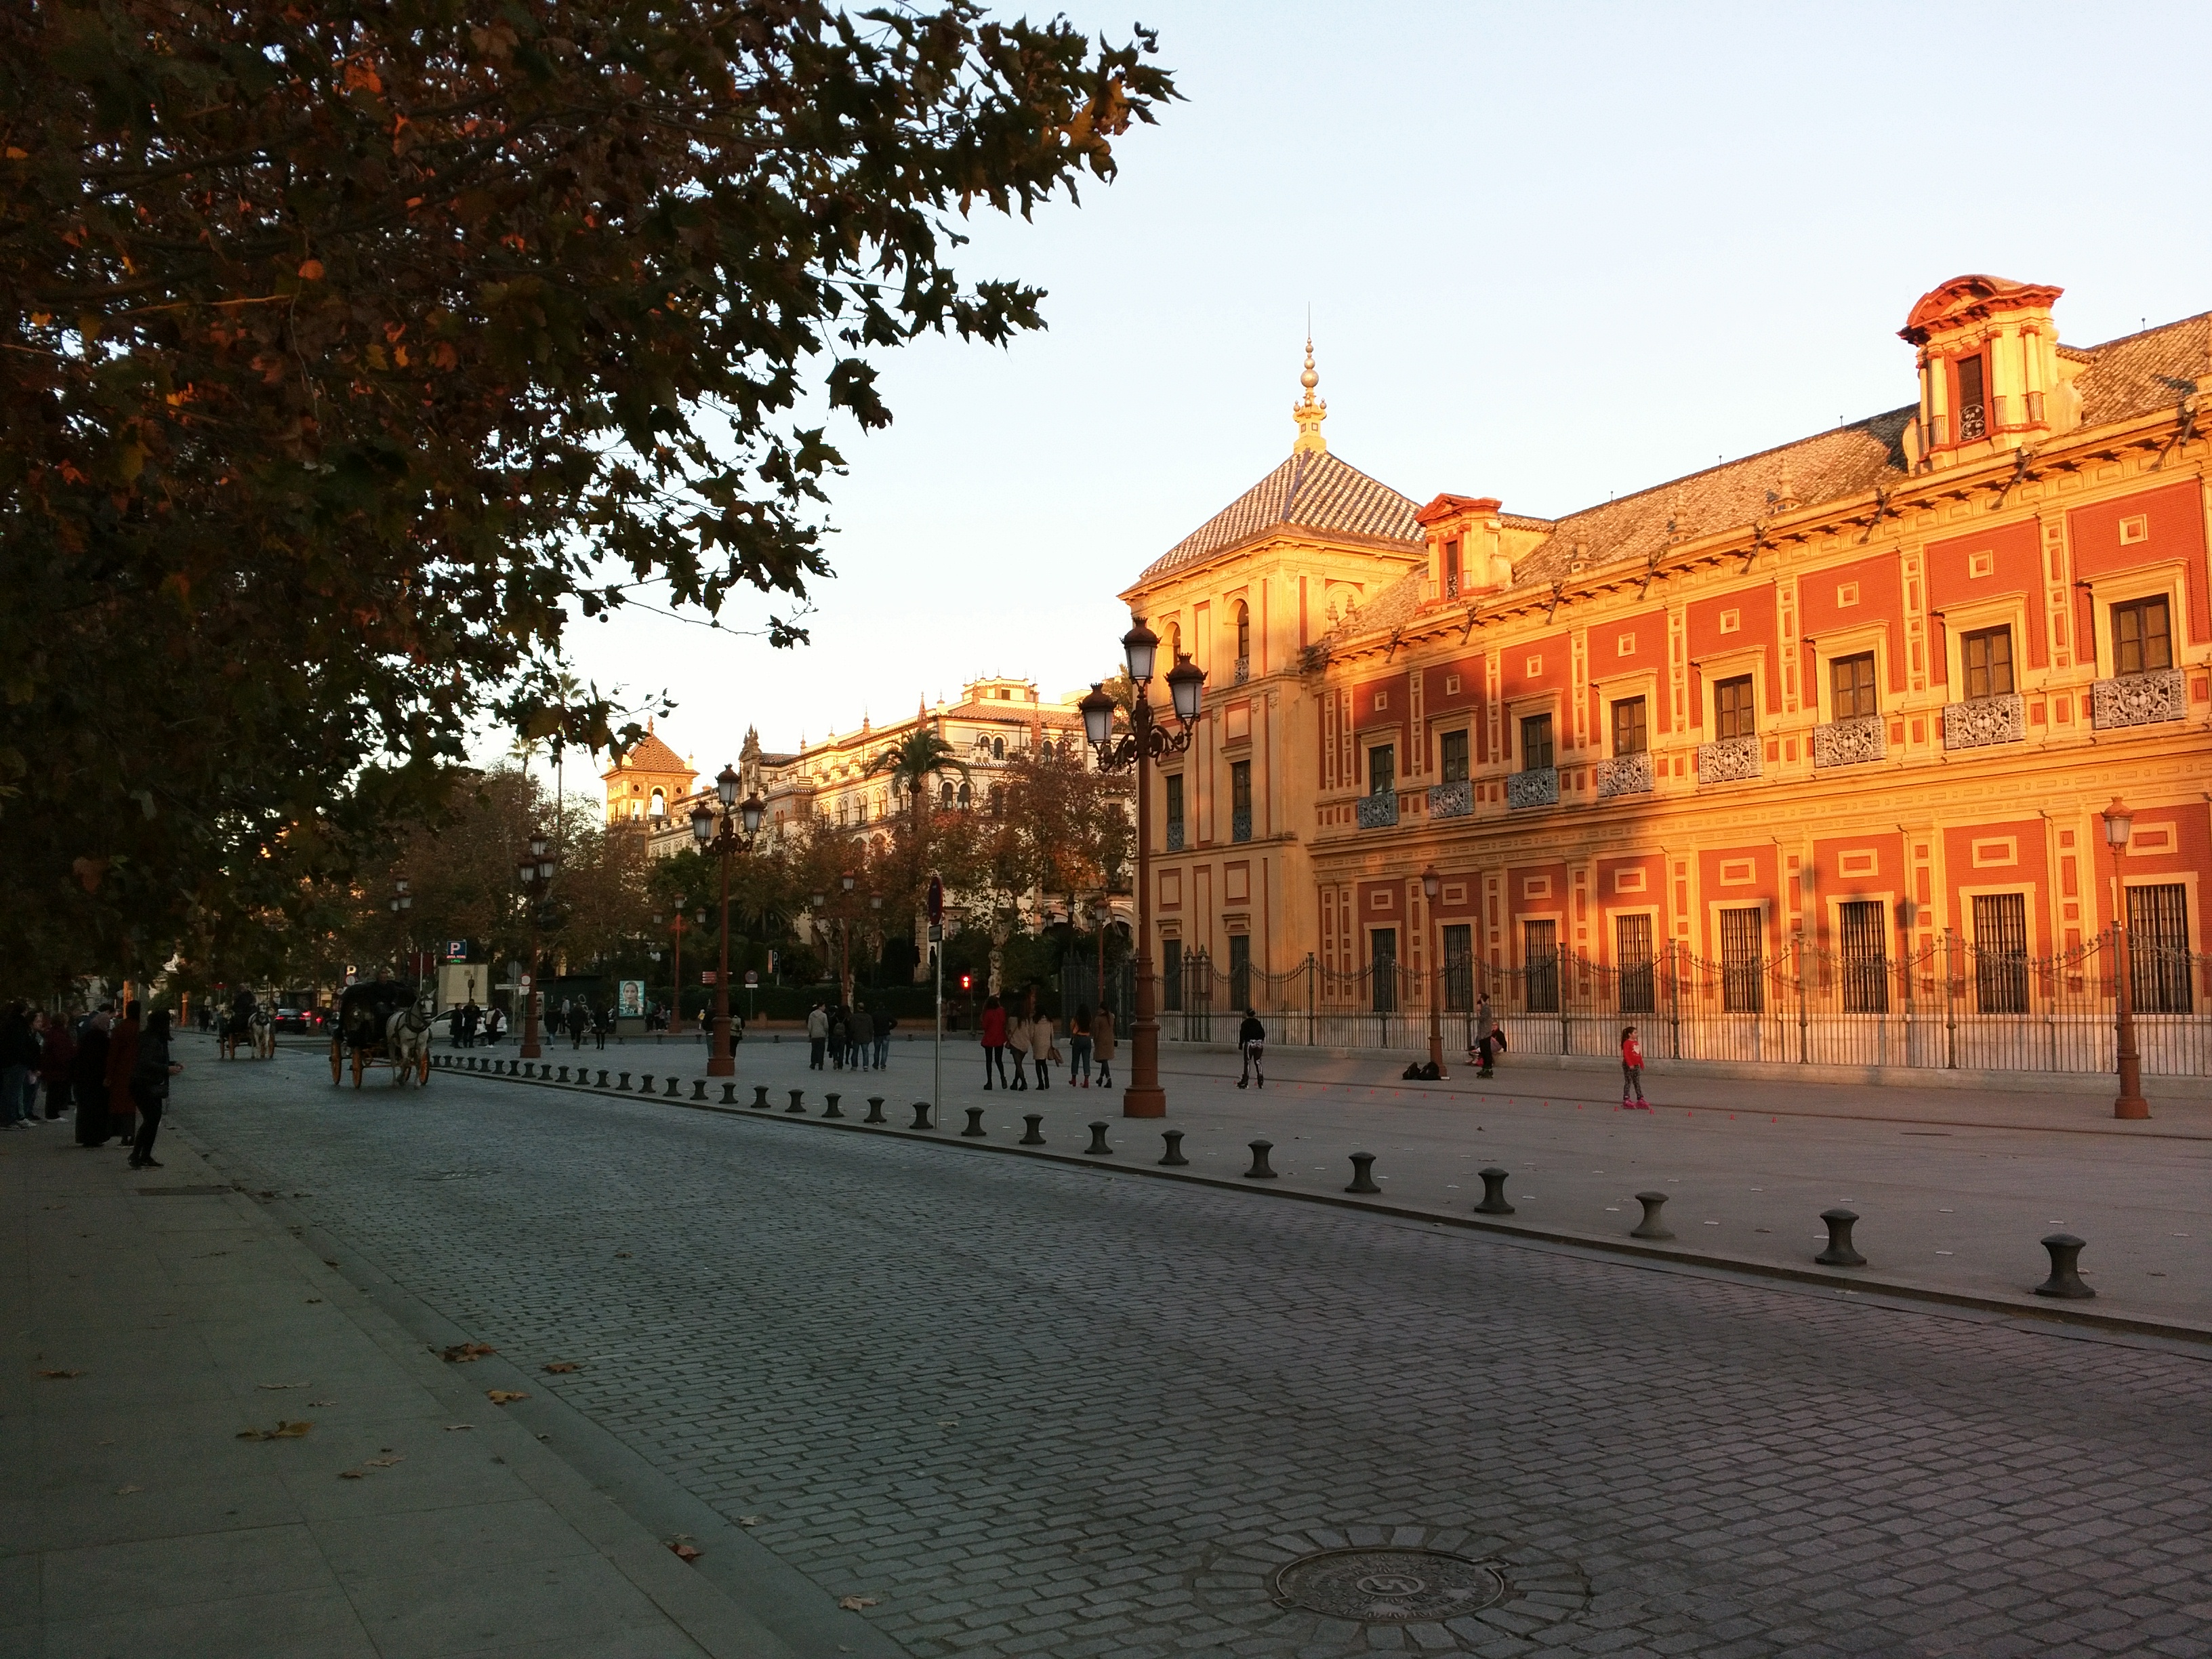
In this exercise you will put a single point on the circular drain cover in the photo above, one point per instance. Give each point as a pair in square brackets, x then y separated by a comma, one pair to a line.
[1388, 1586]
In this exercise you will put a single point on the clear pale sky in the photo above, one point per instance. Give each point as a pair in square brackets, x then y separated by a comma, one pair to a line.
[1552, 252]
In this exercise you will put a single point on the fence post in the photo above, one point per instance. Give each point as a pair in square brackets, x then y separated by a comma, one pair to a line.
[1310, 1000]
[1804, 1046]
[1950, 1001]
[1674, 1001]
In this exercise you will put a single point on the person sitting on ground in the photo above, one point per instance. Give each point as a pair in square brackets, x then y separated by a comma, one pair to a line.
[1252, 1043]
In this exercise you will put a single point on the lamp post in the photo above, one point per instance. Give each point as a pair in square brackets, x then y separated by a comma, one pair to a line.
[1103, 916]
[1147, 739]
[677, 926]
[402, 902]
[718, 833]
[536, 876]
[1431, 884]
[2119, 824]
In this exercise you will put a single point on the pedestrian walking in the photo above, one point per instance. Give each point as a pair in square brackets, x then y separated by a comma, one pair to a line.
[149, 1086]
[56, 1055]
[603, 1021]
[18, 1068]
[578, 1019]
[1079, 1047]
[837, 1038]
[1489, 1037]
[1631, 1072]
[1252, 1043]
[1042, 1050]
[883, 1024]
[817, 1034]
[994, 1041]
[471, 1017]
[495, 1024]
[1018, 1046]
[1101, 1044]
[122, 1061]
[89, 1078]
[860, 1032]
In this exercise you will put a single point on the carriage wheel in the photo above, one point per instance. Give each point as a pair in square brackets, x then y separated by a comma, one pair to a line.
[360, 1064]
[337, 1063]
[422, 1067]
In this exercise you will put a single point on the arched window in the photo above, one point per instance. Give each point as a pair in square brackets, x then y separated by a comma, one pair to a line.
[998, 751]
[998, 798]
[659, 809]
[965, 798]
[945, 796]
[1172, 647]
[1243, 629]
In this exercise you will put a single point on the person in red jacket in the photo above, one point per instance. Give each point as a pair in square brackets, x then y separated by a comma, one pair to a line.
[1631, 1072]
[994, 1042]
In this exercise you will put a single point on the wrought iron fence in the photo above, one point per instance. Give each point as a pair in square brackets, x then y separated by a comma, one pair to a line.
[1950, 1005]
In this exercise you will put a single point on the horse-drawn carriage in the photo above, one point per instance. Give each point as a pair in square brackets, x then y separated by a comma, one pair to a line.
[247, 1021]
[380, 1024]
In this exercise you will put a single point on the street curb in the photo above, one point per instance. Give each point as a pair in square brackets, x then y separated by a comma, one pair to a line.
[2051, 1314]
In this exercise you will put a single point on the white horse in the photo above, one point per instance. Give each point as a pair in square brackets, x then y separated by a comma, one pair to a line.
[407, 1042]
[264, 1031]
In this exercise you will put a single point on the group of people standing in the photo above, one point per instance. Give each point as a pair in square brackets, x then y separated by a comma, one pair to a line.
[464, 1020]
[1028, 1033]
[857, 1038]
[113, 1074]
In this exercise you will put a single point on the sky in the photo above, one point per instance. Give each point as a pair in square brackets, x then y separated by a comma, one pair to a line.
[1550, 252]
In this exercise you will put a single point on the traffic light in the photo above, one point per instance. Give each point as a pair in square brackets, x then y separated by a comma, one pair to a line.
[966, 981]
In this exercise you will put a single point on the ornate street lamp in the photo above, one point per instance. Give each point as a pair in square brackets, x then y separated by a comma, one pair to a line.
[1147, 740]
[1431, 884]
[402, 902]
[719, 834]
[536, 874]
[2120, 824]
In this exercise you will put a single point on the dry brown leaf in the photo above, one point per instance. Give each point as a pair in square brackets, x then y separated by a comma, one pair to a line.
[383, 1462]
[353, 1474]
[123, 1491]
[60, 1377]
[750, 1520]
[455, 1428]
[558, 1366]
[462, 1353]
[622, 1255]
[280, 1385]
[500, 1396]
[322, 1402]
[282, 1431]
[685, 1552]
[854, 1603]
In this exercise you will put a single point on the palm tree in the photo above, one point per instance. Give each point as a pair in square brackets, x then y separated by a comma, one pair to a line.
[912, 761]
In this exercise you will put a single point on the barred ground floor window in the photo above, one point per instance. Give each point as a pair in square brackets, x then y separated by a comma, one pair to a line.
[1383, 953]
[1743, 961]
[1540, 956]
[1632, 954]
[1865, 955]
[2157, 950]
[1459, 968]
[2000, 953]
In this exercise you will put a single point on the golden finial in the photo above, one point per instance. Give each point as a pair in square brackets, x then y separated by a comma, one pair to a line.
[1311, 412]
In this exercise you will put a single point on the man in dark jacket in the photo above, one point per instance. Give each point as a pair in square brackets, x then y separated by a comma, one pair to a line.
[89, 1078]
[149, 1086]
[1252, 1043]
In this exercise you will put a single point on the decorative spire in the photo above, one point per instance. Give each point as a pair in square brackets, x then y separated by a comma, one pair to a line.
[1311, 412]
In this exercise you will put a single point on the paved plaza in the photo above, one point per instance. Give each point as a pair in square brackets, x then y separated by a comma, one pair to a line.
[1007, 1405]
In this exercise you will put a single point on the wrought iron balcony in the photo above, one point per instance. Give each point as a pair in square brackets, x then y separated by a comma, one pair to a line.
[1240, 824]
[1849, 743]
[1243, 671]
[1538, 787]
[1455, 799]
[1980, 721]
[2138, 698]
[1731, 760]
[1174, 834]
[1624, 775]
[1378, 812]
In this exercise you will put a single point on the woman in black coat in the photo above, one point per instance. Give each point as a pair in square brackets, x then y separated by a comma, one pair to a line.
[149, 1086]
[89, 1082]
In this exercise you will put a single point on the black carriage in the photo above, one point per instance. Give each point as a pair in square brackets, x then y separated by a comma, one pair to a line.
[364, 1019]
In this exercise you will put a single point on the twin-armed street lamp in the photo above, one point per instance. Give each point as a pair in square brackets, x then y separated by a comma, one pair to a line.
[676, 929]
[2119, 824]
[402, 902]
[718, 833]
[1146, 740]
[537, 878]
[844, 940]
[1431, 884]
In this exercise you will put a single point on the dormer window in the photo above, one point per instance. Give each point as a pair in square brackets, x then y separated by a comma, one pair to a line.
[1451, 568]
[1973, 410]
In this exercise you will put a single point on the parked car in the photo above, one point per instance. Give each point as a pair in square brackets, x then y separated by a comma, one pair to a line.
[307, 1021]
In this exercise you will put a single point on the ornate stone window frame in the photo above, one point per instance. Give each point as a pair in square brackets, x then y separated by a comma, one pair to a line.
[1728, 666]
[1999, 610]
[1836, 642]
[2164, 581]
[1626, 688]
[1517, 709]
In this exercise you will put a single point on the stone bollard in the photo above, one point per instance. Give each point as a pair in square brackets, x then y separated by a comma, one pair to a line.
[729, 1094]
[830, 1108]
[1363, 1174]
[672, 1089]
[760, 1096]
[1261, 1170]
[875, 1110]
[921, 1114]
[698, 1088]
[1650, 1226]
[602, 1082]
[974, 1129]
[1840, 1253]
[1098, 1148]
[1034, 1135]
[2065, 1279]
[1173, 1158]
[624, 1085]
[798, 1103]
[1494, 1193]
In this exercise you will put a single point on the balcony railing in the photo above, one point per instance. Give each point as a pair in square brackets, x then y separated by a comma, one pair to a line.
[1538, 787]
[1980, 721]
[1731, 760]
[1243, 671]
[1174, 834]
[1240, 824]
[2138, 698]
[1624, 775]
[1455, 799]
[1849, 743]
[1380, 811]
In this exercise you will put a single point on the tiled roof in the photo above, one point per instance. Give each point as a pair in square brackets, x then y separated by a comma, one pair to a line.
[650, 754]
[1309, 491]
[2138, 373]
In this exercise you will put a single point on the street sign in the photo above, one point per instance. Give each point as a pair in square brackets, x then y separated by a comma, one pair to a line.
[524, 980]
[752, 979]
[707, 976]
[456, 950]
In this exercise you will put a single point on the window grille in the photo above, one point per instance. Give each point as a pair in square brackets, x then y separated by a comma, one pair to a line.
[2000, 953]
[1540, 958]
[2157, 950]
[1631, 940]
[1865, 959]
[1743, 962]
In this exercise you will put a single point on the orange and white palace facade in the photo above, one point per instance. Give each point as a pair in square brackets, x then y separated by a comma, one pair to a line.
[1800, 759]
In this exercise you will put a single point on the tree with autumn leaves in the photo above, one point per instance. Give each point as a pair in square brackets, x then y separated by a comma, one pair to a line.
[348, 351]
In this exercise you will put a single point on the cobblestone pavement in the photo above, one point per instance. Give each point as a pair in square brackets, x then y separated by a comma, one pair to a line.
[1032, 1408]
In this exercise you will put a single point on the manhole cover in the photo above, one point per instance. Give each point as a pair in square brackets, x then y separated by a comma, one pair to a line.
[1388, 1586]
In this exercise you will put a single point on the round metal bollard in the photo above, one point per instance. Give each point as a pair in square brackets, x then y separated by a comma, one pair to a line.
[671, 1088]
[1840, 1252]
[974, 1129]
[729, 1094]
[1173, 1158]
[624, 1084]
[1650, 1226]
[1363, 1174]
[1494, 1193]
[1098, 1148]
[875, 1110]
[563, 1078]
[1034, 1135]
[921, 1114]
[698, 1088]
[2065, 1279]
[602, 1082]
[798, 1103]
[830, 1108]
[1261, 1170]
